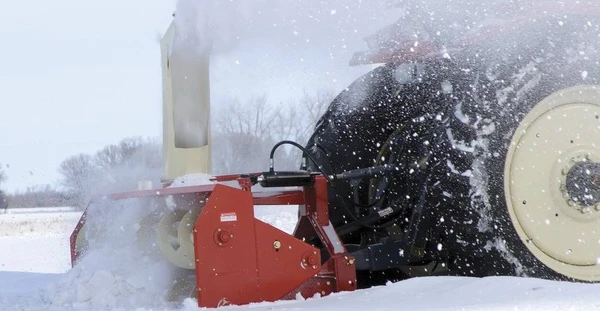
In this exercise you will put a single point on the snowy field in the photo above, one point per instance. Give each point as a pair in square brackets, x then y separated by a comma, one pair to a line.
[36, 239]
[34, 267]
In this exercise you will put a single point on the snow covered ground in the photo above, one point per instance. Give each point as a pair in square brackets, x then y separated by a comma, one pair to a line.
[36, 239]
[34, 268]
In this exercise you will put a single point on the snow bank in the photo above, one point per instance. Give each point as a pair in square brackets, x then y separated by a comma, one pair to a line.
[114, 272]
[32, 210]
[44, 230]
[40, 254]
[114, 278]
[447, 293]
[38, 222]
[18, 292]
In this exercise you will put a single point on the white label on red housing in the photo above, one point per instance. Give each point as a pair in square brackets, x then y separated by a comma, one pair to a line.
[385, 212]
[228, 217]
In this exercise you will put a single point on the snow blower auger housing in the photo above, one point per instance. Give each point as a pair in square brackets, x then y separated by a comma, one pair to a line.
[238, 259]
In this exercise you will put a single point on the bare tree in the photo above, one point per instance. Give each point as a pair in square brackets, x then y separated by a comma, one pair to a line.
[296, 121]
[245, 132]
[3, 176]
[132, 160]
[3, 201]
[115, 168]
[254, 117]
[136, 159]
[308, 110]
[79, 175]
[129, 151]
[242, 136]
[3, 196]
[37, 196]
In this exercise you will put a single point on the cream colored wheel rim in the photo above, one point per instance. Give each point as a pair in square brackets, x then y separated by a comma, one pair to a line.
[558, 132]
[174, 237]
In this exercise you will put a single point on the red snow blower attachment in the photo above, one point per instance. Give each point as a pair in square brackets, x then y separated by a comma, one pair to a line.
[473, 154]
[236, 258]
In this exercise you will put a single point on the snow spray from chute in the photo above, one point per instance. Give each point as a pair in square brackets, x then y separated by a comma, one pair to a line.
[122, 265]
[189, 64]
[199, 27]
[203, 30]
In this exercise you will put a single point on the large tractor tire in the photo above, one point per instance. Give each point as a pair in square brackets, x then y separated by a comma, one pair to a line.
[542, 187]
[355, 127]
[508, 133]
[398, 115]
[534, 177]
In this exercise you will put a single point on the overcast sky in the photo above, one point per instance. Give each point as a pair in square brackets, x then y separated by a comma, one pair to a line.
[76, 76]
[79, 75]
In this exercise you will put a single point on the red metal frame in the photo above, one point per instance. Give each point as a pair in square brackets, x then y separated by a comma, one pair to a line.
[240, 259]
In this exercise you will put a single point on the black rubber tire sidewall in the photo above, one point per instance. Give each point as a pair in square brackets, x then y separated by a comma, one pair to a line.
[542, 69]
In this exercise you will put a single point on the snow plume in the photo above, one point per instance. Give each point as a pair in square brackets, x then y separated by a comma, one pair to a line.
[122, 267]
[309, 43]
[445, 21]
[279, 48]
[223, 25]
[115, 272]
[116, 168]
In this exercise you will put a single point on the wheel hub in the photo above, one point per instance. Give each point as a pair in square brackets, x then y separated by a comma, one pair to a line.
[552, 182]
[582, 185]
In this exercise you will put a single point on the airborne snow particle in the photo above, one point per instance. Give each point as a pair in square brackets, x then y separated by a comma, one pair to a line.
[447, 87]
[439, 246]
[584, 74]
[332, 12]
